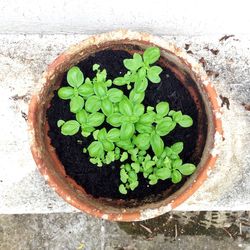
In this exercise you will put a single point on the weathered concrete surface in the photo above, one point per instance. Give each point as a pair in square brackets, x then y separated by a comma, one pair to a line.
[24, 58]
[193, 230]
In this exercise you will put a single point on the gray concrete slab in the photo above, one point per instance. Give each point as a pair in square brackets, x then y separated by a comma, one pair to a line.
[23, 58]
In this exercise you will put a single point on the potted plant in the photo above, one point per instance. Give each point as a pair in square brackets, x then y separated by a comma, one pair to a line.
[124, 125]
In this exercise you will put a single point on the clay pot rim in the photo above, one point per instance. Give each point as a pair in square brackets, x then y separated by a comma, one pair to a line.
[140, 213]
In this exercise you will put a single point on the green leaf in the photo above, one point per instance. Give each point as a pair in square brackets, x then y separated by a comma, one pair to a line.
[70, 127]
[187, 168]
[142, 141]
[124, 156]
[138, 109]
[186, 121]
[127, 131]
[115, 95]
[86, 90]
[120, 81]
[93, 104]
[101, 76]
[133, 185]
[75, 77]
[113, 135]
[110, 157]
[76, 104]
[142, 73]
[132, 176]
[126, 145]
[95, 149]
[107, 107]
[153, 179]
[176, 176]
[126, 107]
[133, 64]
[177, 147]
[136, 97]
[122, 189]
[151, 55]
[177, 163]
[136, 167]
[100, 89]
[66, 93]
[108, 146]
[164, 127]
[167, 162]
[96, 119]
[162, 108]
[148, 165]
[60, 123]
[101, 136]
[177, 116]
[95, 67]
[157, 144]
[143, 128]
[123, 175]
[141, 85]
[153, 74]
[147, 118]
[115, 119]
[163, 173]
[81, 116]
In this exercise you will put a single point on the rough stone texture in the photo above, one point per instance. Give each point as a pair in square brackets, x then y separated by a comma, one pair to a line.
[23, 58]
[172, 231]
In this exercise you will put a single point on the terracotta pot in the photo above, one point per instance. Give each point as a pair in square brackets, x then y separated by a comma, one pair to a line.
[191, 75]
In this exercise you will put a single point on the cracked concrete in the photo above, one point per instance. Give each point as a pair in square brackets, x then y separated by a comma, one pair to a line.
[23, 58]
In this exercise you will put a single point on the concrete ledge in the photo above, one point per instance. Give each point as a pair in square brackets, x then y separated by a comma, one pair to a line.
[23, 58]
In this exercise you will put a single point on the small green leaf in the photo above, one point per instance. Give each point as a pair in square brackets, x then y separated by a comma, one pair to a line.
[127, 131]
[100, 89]
[186, 121]
[123, 175]
[120, 81]
[70, 127]
[126, 107]
[163, 173]
[143, 128]
[110, 157]
[86, 90]
[101, 76]
[162, 108]
[136, 97]
[177, 116]
[141, 85]
[147, 118]
[107, 107]
[187, 168]
[60, 123]
[142, 141]
[122, 189]
[101, 136]
[108, 146]
[164, 127]
[177, 147]
[93, 104]
[151, 55]
[75, 77]
[95, 67]
[81, 116]
[115, 119]
[115, 95]
[157, 144]
[76, 104]
[153, 74]
[148, 165]
[95, 149]
[153, 179]
[136, 167]
[126, 145]
[176, 176]
[133, 64]
[132, 176]
[113, 135]
[95, 119]
[177, 163]
[142, 73]
[124, 156]
[133, 185]
[66, 93]
[138, 109]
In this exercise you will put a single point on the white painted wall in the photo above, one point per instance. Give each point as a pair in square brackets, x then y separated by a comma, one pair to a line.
[175, 17]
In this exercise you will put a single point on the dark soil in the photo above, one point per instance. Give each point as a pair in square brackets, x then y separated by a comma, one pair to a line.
[104, 181]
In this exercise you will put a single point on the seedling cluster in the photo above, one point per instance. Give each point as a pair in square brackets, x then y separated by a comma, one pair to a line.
[136, 129]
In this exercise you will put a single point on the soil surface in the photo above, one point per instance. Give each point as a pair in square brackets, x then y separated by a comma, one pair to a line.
[104, 181]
